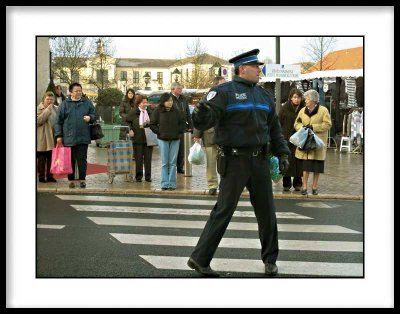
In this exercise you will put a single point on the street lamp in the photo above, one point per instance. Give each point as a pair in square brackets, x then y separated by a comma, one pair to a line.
[216, 68]
[147, 78]
[51, 74]
[176, 72]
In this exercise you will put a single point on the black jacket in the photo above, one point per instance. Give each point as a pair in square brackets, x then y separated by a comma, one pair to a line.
[168, 125]
[243, 115]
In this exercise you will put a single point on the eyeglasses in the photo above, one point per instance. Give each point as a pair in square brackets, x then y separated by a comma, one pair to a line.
[77, 91]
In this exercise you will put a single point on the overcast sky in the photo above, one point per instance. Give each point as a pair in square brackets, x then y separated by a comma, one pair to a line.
[292, 48]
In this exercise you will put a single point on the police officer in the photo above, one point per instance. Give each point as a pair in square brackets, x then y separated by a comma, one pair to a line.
[246, 128]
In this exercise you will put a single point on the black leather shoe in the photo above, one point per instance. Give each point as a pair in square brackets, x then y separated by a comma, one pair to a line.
[271, 269]
[205, 271]
[314, 192]
[139, 179]
[286, 189]
[82, 184]
[51, 179]
[43, 180]
[148, 180]
[180, 171]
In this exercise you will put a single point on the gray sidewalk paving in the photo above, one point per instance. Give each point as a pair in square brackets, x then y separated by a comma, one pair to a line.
[343, 179]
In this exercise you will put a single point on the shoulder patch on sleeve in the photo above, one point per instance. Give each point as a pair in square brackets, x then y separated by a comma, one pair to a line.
[211, 95]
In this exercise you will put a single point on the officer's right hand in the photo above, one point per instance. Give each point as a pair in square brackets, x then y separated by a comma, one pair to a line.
[200, 112]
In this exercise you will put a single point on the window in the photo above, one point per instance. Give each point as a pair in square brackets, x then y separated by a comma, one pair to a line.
[160, 77]
[75, 77]
[124, 75]
[100, 77]
[136, 77]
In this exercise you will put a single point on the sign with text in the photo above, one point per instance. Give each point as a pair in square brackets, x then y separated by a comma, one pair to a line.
[282, 71]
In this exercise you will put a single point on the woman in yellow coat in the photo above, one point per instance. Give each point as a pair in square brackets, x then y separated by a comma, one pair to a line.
[317, 118]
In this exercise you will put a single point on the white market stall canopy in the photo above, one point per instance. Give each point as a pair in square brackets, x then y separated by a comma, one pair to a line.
[333, 73]
[321, 74]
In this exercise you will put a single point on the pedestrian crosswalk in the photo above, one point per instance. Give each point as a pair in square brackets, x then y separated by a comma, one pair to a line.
[165, 222]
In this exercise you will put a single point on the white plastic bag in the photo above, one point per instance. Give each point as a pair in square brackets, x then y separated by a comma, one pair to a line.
[196, 155]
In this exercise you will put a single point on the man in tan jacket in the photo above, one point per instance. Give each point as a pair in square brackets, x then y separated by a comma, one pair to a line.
[210, 149]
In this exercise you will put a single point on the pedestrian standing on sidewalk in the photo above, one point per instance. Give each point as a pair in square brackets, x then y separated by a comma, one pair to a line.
[181, 103]
[138, 119]
[59, 95]
[316, 118]
[126, 105]
[246, 129]
[72, 129]
[287, 116]
[46, 115]
[210, 148]
[168, 124]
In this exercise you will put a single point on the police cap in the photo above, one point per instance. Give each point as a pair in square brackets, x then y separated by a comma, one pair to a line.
[249, 57]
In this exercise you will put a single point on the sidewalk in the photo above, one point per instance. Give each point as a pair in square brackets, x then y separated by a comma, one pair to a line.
[343, 179]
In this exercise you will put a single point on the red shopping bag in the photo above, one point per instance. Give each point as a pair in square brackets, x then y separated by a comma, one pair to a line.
[61, 160]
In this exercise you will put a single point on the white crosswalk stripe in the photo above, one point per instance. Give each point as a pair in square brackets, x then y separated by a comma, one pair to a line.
[191, 224]
[145, 200]
[44, 226]
[256, 266]
[240, 243]
[175, 211]
[131, 215]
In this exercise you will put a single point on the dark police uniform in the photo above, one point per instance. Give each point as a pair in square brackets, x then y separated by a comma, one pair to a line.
[246, 127]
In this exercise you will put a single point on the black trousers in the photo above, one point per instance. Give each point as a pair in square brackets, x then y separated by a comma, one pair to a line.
[253, 173]
[297, 182]
[143, 153]
[79, 156]
[180, 161]
[44, 164]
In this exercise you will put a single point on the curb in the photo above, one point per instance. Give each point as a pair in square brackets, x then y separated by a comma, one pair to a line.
[117, 191]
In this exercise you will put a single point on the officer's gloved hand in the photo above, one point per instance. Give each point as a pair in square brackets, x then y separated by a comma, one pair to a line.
[283, 164]
[200, 111]
[308, 126]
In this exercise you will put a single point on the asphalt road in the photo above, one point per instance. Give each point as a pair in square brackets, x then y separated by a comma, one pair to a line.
[109, 236]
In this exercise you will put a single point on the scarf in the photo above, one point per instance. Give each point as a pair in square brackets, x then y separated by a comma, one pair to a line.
[144, 117]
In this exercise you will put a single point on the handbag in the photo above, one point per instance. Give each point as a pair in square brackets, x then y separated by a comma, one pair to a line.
[61, 160]
[310, 143]
[151, 137]
[96, 132]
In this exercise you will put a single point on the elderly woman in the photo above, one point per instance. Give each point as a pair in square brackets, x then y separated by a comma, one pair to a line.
[316, 118]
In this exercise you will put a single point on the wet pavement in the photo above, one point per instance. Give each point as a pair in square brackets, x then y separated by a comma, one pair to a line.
[343, 179]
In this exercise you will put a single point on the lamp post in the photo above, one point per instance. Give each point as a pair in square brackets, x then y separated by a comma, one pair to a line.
[216, 67]
[147, 78]
[176, 72]
[51, 74]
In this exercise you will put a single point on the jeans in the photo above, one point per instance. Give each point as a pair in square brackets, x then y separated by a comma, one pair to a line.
[169, 154]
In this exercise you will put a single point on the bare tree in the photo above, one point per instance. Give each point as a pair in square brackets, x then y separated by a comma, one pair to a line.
[69, 56]
[317, 48]
[101, 63]
[196, 55]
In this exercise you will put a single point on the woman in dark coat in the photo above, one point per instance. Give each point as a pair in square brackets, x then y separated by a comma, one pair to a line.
[287, 116]
[138, 119]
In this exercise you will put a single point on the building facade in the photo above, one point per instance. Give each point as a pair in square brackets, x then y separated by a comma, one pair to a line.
[148, 74]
